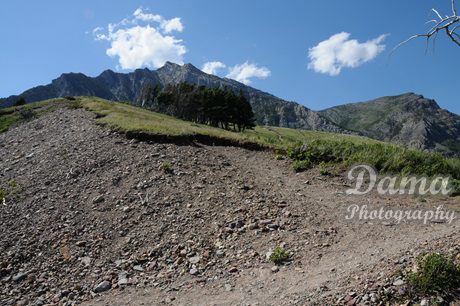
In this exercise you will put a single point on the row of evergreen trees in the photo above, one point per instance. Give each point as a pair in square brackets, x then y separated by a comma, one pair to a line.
[201, 104]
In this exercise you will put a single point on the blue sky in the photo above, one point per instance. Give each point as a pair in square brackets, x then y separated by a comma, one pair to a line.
[265, 43]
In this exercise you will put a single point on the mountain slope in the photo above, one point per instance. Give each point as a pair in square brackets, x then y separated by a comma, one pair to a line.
[409, 120]
[110, 85]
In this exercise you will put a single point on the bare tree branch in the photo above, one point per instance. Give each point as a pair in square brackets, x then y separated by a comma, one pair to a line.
[444, 24]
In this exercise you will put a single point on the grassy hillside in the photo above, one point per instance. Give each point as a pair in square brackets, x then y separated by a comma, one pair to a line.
[128, 118]
[306, 148]
[362, 116]
[407, 120]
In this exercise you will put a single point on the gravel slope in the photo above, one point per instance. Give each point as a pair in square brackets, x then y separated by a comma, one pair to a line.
[98, 221]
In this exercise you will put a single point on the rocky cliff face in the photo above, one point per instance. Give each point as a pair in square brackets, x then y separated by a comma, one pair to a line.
[110, 85]
[408, 120]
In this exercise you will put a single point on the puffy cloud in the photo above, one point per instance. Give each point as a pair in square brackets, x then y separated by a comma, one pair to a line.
[212, 67]
[139, 46]
[337, 52]
[139, 15]
[172, 25]
[167, 26]
[242, 73]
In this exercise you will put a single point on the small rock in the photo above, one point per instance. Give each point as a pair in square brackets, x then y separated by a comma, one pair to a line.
[425, 302]
[104, 286]
[373, 297]
[194, 271]
[80, 243]
[253, 226]
[194, 259]
[138, 268]
[233, 270]
[19, 277]
[399, 282]
[228, 287]
[98, 199]
[122, 279]
[86, 260]
[275, 269]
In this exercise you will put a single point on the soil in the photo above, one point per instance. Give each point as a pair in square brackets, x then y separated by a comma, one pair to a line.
[101, 219]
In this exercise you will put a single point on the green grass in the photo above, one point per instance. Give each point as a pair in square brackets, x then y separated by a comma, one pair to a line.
[279, 256]
[6, 121]
[17, 114]
[129, 118]
[306, 148]
[436, 274]
[384, 157]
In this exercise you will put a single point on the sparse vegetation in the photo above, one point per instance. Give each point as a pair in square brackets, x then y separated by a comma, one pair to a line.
[279, 156]
[385, 158]
[74, 105]
[167, 168]
[436, 274]
[301, 165]
[26, 113]
[20, 101]
[5, 122]
[306, 148]
[10, 190]
[279, 256]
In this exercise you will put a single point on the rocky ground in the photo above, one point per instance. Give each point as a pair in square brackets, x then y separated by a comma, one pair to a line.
[99, 219]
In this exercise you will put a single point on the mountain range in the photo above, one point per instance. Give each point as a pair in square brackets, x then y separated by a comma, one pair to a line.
[409, 119]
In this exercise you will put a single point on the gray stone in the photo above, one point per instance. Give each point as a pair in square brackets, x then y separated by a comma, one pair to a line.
[194, 271]
[98, 199]
[399, 282]
[138, 268]
[275, 269]
[104, 286]
[19, 277]
[122, 279]
[425, 302]
[194, 259]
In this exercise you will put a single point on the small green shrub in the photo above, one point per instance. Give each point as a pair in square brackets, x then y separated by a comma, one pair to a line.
[26, 114]
[10, 190]
[20, 101]
[301, 165]
[167, 168]
[279, 156]
[5, 122]
[74, 105]
[456, 187]
[325, 169]
[279, 256]
[437, 273]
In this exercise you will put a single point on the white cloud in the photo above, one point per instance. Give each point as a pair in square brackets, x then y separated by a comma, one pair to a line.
[167, 26]
[172, 25]
[139, 14]
[337, 52]
[139, 46]
[98, 29]
[243, 72]
[212, 67]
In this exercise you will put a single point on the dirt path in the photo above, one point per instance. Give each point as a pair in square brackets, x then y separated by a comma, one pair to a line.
[98, 207]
